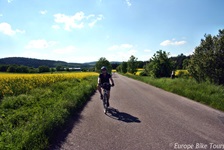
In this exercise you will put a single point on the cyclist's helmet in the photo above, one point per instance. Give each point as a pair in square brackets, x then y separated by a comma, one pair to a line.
[103, 68]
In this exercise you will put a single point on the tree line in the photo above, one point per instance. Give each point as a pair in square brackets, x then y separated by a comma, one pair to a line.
[205, 64]
[40, 69]
[25, 69]
[35, 63]
[160, 65]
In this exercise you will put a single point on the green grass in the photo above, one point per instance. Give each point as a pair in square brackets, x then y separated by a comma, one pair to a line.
[206, 93]
[28, 121]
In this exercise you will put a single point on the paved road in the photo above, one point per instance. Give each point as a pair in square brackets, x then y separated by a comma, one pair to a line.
[143, 117]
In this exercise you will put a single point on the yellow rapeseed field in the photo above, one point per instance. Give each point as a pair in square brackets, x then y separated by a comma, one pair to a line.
[14, 84]
[139, 70]
[179, 73]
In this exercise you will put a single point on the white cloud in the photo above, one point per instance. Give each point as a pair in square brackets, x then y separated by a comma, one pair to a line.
[70, 21]
[40, 44]
[121, 55]
[172, 42]
[90, 16]
[121, 52]
[100, 17]
[43, 12]
[9, 1]
[1, 15]
[77, 21]
[66, 50]
[128, 2]
[56, 27]
[6, 28]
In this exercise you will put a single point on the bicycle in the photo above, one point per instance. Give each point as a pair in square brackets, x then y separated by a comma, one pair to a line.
[106, 88]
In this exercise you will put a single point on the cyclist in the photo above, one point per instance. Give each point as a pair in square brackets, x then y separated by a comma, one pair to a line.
[104, 77]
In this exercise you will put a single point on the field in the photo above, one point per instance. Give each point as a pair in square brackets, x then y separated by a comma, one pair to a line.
[114, 71]
[34, 106]
[14, 84]
[139, 71]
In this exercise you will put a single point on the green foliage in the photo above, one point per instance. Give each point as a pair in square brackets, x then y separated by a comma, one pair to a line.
[206, 64]
[185, 63]
[29, 121]
[122, 67]
[60, 68]
[141, 64]
[3, 68]
[17, 69]
[180, 61]
[159, 65]
[11, 68]
[143, 73]
[35, 63]
[43, 69]
[52, 70]
[132, 64]
[103, 62]
[114, 65]
[205, 92]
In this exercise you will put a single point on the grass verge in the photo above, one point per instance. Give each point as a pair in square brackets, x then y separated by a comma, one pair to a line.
[28, 121]
[206, 93]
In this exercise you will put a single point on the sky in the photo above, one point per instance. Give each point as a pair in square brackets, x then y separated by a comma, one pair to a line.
[86, 30]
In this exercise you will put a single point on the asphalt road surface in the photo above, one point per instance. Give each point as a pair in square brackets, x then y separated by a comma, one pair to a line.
[143, 117]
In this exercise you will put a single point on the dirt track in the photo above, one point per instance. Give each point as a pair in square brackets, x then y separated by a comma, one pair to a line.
[143, 117]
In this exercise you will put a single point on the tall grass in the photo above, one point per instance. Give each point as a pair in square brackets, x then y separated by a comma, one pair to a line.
[206, 93]
[29, 121]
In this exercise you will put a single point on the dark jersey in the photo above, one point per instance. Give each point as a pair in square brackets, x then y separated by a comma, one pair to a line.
[105, 78]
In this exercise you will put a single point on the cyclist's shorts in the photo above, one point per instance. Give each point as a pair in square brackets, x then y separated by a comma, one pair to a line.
[107, 87]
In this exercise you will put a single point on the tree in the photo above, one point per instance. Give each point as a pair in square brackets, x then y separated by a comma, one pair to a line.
[43, 69]
[52, 70]
[12, 68]
[3, 68]
[60, 68]
[159, 65]
[206, 64]
[132, 64]
[22, 69]
[103, 62]
[185, 63]
[179, 60]
[114, 65]
[124, 67]
[141, 64]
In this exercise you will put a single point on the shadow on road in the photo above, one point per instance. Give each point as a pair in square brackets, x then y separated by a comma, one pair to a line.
[60, 134]
[122, 116]
[221, 118]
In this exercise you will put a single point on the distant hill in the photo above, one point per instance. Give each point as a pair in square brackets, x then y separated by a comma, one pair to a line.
[32, 62]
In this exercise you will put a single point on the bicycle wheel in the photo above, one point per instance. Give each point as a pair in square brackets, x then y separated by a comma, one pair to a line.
[105, 101]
